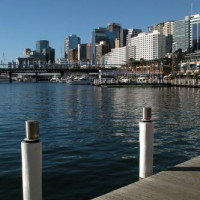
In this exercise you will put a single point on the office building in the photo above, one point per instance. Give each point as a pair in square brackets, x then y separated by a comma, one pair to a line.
[73, 56]
[71, 42]
[186, 34]
[148, 46]
[101, 34]
[101, 49]
[179, 36]
[194, 32]
[132, 33]
[82, 50]
[41, 44]
[123, 36]
[117, 57]
[89, 52]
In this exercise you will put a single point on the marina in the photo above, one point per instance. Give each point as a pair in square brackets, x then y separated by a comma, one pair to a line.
[91, 144]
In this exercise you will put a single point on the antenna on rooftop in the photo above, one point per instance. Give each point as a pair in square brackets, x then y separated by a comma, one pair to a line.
[191, 9]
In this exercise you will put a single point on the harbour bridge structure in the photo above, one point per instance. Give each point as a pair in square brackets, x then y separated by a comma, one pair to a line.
[6, 69]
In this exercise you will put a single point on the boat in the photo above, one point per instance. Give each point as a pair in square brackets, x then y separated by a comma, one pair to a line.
[62, 80]
[125, 80]
[78, 80]
[142, 79]
[55, 78]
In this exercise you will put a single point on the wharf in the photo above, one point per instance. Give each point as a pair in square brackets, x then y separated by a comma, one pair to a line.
[134, 85]
[181, 182]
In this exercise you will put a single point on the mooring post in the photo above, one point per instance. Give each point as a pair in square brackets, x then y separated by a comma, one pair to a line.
[146, 144]
[31, 152]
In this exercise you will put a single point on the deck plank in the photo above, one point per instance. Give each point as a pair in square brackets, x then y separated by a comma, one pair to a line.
[181, 182]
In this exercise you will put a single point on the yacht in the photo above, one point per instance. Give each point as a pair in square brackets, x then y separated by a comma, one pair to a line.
[78, 81]
[55, 78]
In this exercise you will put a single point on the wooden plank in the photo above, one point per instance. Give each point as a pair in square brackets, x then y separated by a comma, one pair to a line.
[181, 182]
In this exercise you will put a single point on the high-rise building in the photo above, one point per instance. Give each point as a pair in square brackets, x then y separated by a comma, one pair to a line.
[71, 42]
[101, 34]
[186, 34]
[117, 56]
[156, 27]
[41, 44]
[179, 36]
[123, 35]
[101, 49]
[115, 28]
[148, 46]
[82, 50]
[194, 32]
[89, 52]
[73, 55]
[132, 33]
[168, 28]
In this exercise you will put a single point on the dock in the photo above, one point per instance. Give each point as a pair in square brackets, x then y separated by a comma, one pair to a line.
[181, 182]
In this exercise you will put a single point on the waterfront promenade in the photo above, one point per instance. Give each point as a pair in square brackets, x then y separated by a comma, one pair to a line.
[181, 182]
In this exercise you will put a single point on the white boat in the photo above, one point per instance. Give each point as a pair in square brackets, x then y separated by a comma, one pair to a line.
[142, 79]
[125, 80]
[62, 80]
[78, 81]
[55, 78]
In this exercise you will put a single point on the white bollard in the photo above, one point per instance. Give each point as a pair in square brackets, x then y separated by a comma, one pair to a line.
[31, 149]
[146, 144]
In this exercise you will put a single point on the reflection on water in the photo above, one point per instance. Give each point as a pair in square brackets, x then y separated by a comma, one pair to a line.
[90, 134]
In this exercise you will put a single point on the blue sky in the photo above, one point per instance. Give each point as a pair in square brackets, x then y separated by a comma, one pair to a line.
[24, 21]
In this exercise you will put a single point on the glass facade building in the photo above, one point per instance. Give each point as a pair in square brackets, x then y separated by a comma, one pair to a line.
[41, 45]
[186, 34]
[178, 36]
[71, 42]
[195, 33]
[101, 34]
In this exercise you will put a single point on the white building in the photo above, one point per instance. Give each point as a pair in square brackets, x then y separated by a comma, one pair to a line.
[132, 33]
[117, 56]
[148, 46]
[168, 28]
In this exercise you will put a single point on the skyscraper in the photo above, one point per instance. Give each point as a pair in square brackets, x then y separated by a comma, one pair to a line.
[186, 34]
[132, 33]
[101, 34]
[179, 36]
[115, 28]
[41, 44]
[194, 33]
[123, 35]
[71, 42]
[89, 52]
[149, 46]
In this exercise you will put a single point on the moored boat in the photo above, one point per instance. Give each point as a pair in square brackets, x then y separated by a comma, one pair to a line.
[78, 81]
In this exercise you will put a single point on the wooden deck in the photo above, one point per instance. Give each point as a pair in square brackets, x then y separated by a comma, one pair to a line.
[181, 182]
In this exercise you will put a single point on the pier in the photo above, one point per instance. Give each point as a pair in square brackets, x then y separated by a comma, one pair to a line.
[181, 182]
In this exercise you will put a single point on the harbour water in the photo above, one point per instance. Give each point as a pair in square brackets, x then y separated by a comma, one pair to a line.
[90, 134]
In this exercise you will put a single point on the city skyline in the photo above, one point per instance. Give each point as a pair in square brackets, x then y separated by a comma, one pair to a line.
[23, 23]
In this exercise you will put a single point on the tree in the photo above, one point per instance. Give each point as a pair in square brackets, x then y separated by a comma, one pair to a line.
[178, 55]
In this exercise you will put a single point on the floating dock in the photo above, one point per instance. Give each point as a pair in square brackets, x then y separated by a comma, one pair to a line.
[181, 182]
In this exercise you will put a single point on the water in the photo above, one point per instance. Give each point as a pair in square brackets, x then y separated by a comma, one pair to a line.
[90, 135]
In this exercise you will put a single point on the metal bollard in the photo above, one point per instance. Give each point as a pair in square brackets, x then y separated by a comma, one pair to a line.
[146, 138]
[31, 152]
